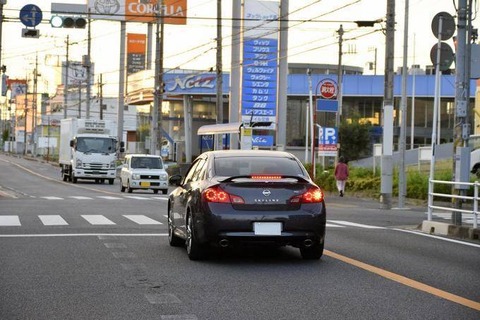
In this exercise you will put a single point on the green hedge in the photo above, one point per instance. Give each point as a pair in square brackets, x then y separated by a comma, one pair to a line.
[364, 182]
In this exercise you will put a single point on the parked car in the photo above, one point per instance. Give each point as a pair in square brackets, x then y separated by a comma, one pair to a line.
[235, 197]
[143, 172]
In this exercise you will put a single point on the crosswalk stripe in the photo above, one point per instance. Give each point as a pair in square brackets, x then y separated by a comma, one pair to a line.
[52, 198]
[9, 221]
[141, 219]
[81, 198]
[161, 198]
[52, 220]
[97, 219]
[137, 197]
[110, 198]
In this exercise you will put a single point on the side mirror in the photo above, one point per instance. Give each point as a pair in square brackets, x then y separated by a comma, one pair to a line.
[72, 143]
[175, 180]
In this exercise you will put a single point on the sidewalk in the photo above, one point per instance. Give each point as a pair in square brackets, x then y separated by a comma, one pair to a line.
[437, 226]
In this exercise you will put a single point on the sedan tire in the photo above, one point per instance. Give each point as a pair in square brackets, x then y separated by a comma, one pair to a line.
[313, 252]
[173, 240]
[195, 250]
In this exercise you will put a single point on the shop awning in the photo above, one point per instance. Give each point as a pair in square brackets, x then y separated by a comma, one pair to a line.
[222, 128]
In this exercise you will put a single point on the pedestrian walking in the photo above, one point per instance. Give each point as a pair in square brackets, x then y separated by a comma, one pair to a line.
[341, 175]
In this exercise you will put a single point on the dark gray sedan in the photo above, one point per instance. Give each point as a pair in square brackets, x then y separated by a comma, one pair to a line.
[237, 197]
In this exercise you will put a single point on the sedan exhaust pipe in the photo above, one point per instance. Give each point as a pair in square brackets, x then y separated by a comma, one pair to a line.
[224, 243]
[308, 243]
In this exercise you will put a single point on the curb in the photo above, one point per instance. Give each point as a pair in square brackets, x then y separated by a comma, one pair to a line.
[446, 229]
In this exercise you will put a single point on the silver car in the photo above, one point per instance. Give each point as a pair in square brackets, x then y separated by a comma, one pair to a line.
[143, 172]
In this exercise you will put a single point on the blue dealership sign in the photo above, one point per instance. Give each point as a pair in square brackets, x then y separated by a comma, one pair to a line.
[325, 105]
[262, 141]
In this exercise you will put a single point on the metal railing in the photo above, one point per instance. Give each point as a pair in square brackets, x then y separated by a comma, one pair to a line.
[473, 199]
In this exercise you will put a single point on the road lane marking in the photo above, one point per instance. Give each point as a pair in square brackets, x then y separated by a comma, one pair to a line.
[141, 219]
[97, 219]
[406, 281]
[110, 198]
[137, 197]
[52, 198]
[81, 197]
[438, 237]
[52, 220]
[352, 224]
[161, 198]
[9, 221]
[46, 235]
[329, 225]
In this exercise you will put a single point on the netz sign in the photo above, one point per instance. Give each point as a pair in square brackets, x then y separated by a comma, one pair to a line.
[205, 83]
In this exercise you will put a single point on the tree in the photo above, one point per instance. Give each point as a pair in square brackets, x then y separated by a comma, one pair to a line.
[354, 136]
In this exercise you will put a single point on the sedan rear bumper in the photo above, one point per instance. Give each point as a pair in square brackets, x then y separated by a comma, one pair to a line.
[232, 227]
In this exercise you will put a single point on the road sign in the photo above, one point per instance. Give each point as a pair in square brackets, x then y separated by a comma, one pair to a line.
[328, 89]
[30, 33]
[446, 55]
[327, 136]
[324, 105]
[448, 25]
[31, 15]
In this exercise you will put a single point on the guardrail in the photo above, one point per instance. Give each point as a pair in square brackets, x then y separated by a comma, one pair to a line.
[474, 199]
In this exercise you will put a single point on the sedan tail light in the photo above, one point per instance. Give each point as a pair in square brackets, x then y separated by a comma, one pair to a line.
[312, 195]
[217, 194]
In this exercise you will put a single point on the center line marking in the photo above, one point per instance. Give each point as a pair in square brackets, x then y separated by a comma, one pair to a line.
[406, 281]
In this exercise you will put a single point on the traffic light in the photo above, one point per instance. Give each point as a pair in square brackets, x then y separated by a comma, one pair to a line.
[68, 22]
[162, 87]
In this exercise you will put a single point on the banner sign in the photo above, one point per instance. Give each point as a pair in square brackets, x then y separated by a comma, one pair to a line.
[136, 52]
[17, 87]
[173, 11]
[260, 65]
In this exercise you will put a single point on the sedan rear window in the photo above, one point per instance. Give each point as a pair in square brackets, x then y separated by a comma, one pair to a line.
[241, 166]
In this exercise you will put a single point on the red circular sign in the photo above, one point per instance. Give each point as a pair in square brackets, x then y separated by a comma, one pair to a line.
[328, 89]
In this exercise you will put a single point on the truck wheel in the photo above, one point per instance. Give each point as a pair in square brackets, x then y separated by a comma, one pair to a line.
[155, 191]
[110, 181]
[122, 188]
[164, 191]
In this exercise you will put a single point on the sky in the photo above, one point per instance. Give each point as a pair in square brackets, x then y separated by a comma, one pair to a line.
[312, 37]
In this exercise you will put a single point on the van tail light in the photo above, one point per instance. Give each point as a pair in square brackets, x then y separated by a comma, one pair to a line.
[312, 195]
[218, 195]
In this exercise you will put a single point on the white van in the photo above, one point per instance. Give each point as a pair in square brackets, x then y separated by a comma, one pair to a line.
[143, 172]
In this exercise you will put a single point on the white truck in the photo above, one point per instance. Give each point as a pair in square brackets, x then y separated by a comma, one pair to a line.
[88, 150]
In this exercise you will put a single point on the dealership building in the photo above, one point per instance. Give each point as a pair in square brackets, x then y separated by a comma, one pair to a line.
[189, 102]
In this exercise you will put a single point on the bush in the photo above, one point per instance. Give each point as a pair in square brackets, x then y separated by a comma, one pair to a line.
[363, 181]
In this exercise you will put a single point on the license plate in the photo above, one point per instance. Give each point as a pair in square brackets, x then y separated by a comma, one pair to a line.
[267, 228]
[145, 184]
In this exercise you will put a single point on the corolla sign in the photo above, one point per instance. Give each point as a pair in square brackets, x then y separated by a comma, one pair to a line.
[193, 81]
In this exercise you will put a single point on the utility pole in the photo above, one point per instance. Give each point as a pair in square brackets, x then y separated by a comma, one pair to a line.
[402, 188]
[34, 106]
[219, 100]
[100, 95]
[88, 63]
[158, 83]
[25, 111]
[387, 156]
[339, 81]
[462, 97]
[65, 85]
